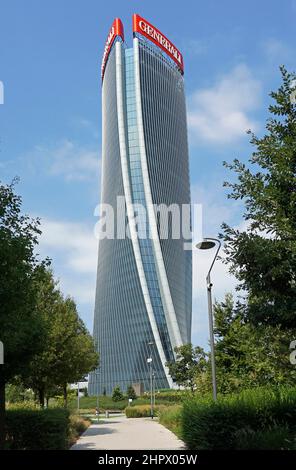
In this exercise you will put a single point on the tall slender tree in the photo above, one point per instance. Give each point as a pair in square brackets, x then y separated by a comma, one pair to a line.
[68, 350]
[21, 328]
[263, 256]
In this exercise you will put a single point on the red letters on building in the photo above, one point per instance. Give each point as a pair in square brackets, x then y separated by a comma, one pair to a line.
[116, 30]
[153, 34]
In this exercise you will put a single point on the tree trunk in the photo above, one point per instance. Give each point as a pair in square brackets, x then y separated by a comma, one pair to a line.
[47, 401]
[65, 396]
[2, 409]
[41, 397]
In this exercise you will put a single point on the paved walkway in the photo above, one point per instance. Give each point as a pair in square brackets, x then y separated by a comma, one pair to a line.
[123, 434]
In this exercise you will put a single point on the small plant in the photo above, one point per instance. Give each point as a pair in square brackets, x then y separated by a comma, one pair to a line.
[77, 426]
[131, 392]
[117, 394]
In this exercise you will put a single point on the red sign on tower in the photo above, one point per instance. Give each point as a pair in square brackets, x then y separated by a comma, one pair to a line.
[116, 30]
[153, 34]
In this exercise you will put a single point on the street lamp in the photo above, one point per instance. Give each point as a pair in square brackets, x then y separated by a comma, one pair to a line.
[97, 380]
[207, 244]
[149, 361]
[78, 398]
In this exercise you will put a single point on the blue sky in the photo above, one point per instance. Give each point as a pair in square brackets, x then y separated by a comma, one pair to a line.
[50, 123]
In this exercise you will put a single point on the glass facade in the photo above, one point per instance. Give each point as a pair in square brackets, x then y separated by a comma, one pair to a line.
[122, 326]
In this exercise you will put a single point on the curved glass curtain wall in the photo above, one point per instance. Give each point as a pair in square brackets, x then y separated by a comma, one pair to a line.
[138, 196]
[122, 329]
[164, 119]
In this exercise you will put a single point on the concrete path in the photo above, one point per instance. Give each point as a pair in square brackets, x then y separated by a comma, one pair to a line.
[128, 434]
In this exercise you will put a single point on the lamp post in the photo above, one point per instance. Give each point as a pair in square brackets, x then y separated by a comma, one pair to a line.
[78, 398]
[207, 244]
[149, 361]
[97, 380]
[153, 381]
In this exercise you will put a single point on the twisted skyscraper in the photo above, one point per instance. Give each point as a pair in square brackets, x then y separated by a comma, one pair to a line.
[143, 294]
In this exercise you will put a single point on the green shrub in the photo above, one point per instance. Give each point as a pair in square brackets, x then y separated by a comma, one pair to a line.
[171, 418]
[117, 394]
[169, 396]
[142, 411]
[35, 429]
[77, 426]
[257, 418]
[275, 437]
[16, 392]
[131, 392]
[105, 403]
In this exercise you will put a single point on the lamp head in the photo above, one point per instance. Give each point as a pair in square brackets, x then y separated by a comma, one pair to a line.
[205, 245]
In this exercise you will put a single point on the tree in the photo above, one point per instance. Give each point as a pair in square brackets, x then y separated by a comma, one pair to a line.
[263, 256]
[190, 362]
[68, 353]
[248, 355]
[131, 392]
[21, 328]
[117, 394]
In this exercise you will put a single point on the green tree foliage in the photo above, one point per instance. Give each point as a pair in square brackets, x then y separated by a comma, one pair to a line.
[117, 394]
[263, 256]
[190, 362]
[248, 355]
[21, 328]
[15, 392]
[131, 392]
[68, 351]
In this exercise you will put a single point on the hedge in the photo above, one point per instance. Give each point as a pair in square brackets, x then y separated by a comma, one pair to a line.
[35, 429]
[142, 411]
[171, 418]
[173, 396]
[261, 418]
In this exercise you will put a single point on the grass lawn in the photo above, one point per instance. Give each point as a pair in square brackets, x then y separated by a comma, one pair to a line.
[106, 402]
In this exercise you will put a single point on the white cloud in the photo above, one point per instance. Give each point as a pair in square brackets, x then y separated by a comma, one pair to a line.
[216, 209]
[220, 114]
[222, 282]
[74, 240]
[67, 159]
[73, 248]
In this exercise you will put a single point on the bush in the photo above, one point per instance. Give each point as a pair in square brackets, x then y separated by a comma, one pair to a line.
[105, 403]
[131, 393]
[262, 418]
[78, 425]
[117, 394]
[35, 429]
[170, 396]
[142, 411]
[16, 392]
[171, 418]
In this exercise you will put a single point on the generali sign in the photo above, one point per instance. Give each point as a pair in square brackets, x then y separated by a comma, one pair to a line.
[115, 30]
[153, 34]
